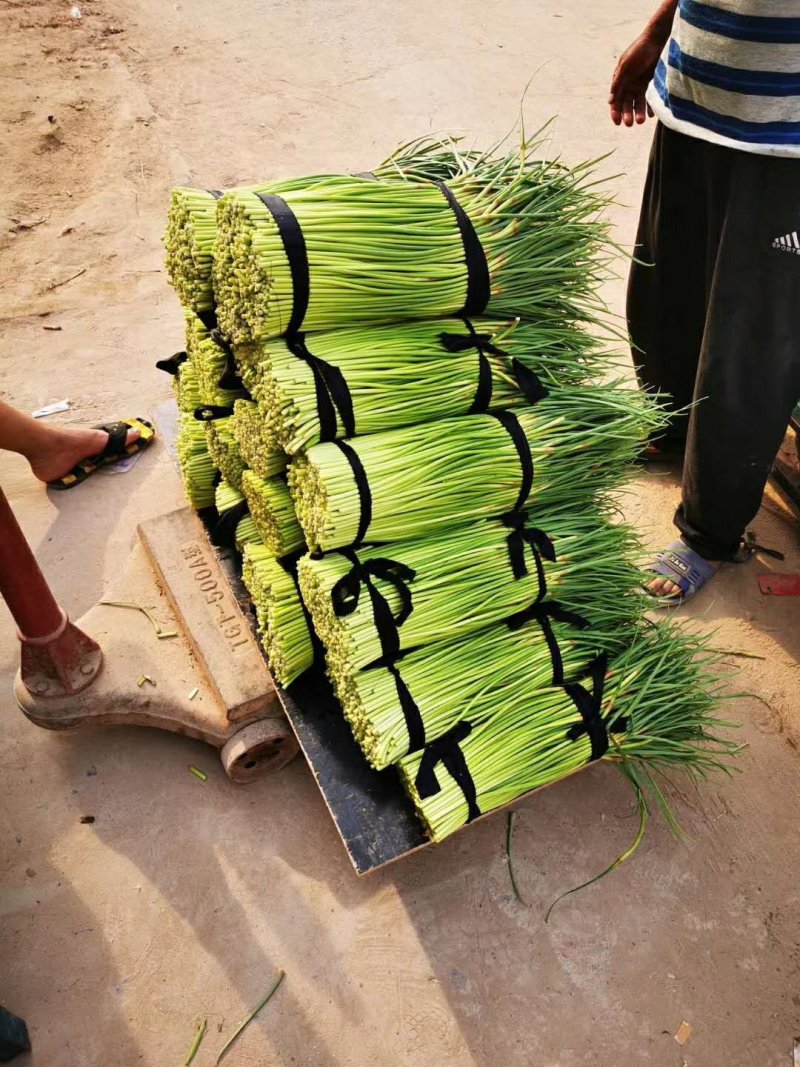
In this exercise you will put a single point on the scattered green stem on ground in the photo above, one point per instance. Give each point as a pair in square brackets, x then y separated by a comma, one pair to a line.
[268, 995]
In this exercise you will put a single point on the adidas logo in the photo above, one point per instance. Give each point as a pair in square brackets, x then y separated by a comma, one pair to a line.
[789, 243]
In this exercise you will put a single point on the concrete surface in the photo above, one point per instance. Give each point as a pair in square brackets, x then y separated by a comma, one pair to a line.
[183, 897]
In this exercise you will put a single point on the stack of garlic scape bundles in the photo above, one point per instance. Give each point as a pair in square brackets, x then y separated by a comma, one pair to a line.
[219, 432]
[418, 347]
[205, 381]
[229, 455]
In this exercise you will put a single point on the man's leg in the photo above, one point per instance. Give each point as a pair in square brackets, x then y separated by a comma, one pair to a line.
[51, 450]
[667, 286]
[748, 378]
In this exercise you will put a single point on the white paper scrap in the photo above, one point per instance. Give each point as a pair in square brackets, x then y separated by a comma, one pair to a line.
[51, 409]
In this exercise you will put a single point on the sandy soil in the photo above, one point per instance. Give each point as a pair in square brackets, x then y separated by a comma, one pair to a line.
[183, 897]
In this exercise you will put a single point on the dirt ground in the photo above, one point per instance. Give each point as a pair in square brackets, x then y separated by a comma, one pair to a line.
[183, 897]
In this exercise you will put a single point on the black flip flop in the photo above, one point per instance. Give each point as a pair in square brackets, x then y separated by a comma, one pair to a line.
[115, 450]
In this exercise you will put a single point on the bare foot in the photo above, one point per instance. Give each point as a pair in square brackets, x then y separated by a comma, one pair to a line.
[66, 447]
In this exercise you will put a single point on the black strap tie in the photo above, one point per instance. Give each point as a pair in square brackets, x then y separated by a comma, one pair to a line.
[346, 593]
[294, 245]
[590, 707]
[528, 382]
[229, 379]
[511, 425]
[463, 342]
[478, 282]
[445, 750]
[224, 530]
[364, 491]
[212, 412]
[220, 340]
[537, 540]
[289, 564]
[459, 342]
[333, 394]
[173, 364]
[411, 713]
[545, 614]
[208, 319]
[216, 193]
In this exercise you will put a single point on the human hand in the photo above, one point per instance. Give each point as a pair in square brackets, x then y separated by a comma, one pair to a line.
[632, 75]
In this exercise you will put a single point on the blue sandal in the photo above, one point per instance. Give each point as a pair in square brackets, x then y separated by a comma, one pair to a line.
[683, 566]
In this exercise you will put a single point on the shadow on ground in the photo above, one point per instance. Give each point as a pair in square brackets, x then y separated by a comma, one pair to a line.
[464, 973]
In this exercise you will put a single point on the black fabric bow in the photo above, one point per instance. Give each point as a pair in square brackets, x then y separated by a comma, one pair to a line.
[528, 381]
[346, 593]
[446, 750]
[550, 609]
[332, 392]
[545, 614]
[537, 540]
[462, 342]
[173, 364]
[590, 707]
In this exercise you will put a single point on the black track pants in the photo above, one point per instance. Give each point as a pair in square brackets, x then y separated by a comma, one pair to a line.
[715, 321]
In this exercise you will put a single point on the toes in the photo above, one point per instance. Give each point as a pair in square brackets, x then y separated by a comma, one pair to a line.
[132, 437]
[661, 587]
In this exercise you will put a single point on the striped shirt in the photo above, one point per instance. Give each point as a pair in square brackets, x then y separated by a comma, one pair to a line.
[730, 73]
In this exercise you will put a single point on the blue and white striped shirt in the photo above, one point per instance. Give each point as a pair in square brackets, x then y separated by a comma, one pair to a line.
[730, 73]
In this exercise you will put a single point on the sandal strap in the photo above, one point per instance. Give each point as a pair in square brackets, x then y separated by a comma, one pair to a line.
[683, 566]
[117, 436]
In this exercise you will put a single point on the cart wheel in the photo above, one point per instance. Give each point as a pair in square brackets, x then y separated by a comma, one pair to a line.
[257, 748]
